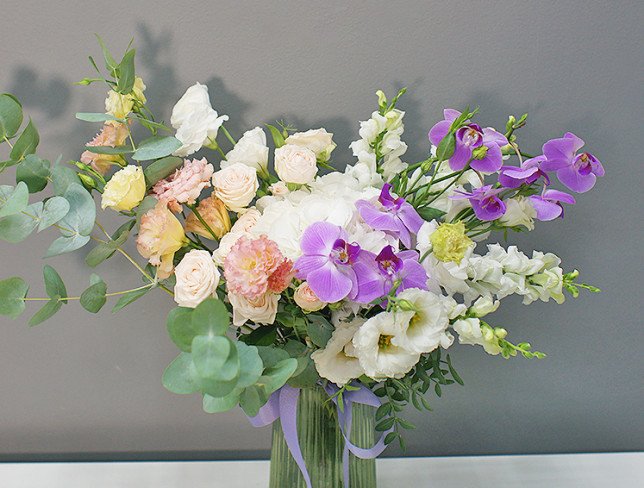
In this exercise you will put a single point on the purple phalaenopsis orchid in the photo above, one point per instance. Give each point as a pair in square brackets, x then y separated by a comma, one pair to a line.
[469, 138]
[392, 215]
[529, 172]
[334, 268]
[577, 171]
[548, 205]
[485, 202]
[401, 267]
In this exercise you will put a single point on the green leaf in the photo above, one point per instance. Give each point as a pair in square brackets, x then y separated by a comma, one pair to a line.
[160, 169]
[110, 149]
[180, 330]
[180, 376]
[96, 117]
[66, 244]
[10, 116]
[319, 329]
[12, 292]
[34, 172]
[305, 376]
[126, 73]
[105, 250]
[446, 147]
[46, 312]
[221, 404]
[13, 200]
[128, 298]
[262, 336]
[54, 285]
[82, 211]
[215, 358]
[147, 204]
[429, 213]
[251, 365]
[276, 376]
[26, 143]
[16, 228]
[93, 298]
[251, 400]
[156, 147]
[385, 424]
[389, 438]
[278, 137]
[271, 355]
[110, 62]
[54, 210]
[453, 372]
[62, 177]
[210, 318]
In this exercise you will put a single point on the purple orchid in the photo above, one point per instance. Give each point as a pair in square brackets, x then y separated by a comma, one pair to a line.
[468, 138]
[394, 215]
[577, 171]
[400, 267]
[548, 205]
[528, 173]
[485, 202]
[334, 268]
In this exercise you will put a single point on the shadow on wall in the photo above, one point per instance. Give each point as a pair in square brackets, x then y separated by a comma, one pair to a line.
[49, 95]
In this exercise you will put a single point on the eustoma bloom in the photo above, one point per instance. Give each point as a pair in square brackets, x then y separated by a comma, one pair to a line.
[480, 146]
[577, 171]
[334, 268]
[392, 215]
[548, 205]
[485, 202]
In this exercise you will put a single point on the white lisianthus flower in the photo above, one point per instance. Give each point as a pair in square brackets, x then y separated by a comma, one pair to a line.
[295, 164]
[236, 186]
[195, 121]
[519, 211]
[261, 310]
[378, 355]
[250, 150]
[428, 325]
[317, 140]
[197, 278]
[471, 331]
[334, 362]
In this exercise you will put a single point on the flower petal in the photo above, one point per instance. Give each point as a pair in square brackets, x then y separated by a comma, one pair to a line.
[571, 178]
[319, 237]
[308, 263]
[329, 283]
[545, 210]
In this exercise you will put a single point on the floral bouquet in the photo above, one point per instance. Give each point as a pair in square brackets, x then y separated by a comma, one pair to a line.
[319, 303]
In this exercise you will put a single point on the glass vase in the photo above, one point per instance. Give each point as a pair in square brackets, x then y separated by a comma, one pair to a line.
[322, 445]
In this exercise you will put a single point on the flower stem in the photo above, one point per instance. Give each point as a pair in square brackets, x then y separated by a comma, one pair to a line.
[228, 136]
[203, 222]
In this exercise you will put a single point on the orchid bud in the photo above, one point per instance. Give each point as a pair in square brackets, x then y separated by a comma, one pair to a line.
[479, 153]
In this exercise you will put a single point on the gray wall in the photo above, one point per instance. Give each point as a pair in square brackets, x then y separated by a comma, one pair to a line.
[91, 384]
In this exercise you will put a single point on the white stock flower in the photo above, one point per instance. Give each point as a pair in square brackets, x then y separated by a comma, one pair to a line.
[250, 150]
[197, 278]
[194, 119]
[334, 362]
[317, 140]
[428, 325]
[378, 355]
[295, 164]
[235, 185]
[519, 211]
[261, 310]
[484, 306]
[471, 332]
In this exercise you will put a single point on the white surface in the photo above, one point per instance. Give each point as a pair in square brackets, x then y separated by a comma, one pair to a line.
[622, 470]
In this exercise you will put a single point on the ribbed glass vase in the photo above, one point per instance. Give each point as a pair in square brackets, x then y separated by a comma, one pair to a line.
[322, 444]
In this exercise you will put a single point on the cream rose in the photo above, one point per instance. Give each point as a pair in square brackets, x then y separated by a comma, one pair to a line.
[295, 164]
[250, 150]
[306, 299]
[243, 226]
[197, 278]
[261, 311]
[317, 140]
[125, 190]
[236, 185]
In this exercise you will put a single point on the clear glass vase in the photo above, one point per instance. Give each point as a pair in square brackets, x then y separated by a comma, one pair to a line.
[322, 444]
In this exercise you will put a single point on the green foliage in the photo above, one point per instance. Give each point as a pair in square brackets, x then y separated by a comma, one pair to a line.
[160, 169]
[47, 311]
[429, 213]
[129, 297]
[156, 147]
[126, 73]
[13, 200]
[10, 116]
[26, 143]
[16, 228]
[54, 285]
[34, 172]
[93, 298]
[319, 329]
[97, 117]
[261, 336]
[278, 135]
[77, 224]
[12, 294]
[62, 177]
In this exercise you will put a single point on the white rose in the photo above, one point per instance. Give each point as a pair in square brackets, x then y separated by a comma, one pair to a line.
[334, 362]
[235, 185]
[261, 311]
[250, 150]
[197, 278]
[317, 140]
[519, 211]
[279, 189]
[195, 120]
[295, 164]
[307, 300]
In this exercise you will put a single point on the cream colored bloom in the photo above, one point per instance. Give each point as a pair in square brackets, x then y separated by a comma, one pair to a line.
[519, 211]
[317, 140]
[306, 299]
[160, 236]
[125, 190]
[236, 185]
[214, 213]
[261, 310]
[471, 331]
[119, 105]
[197, 278]
[295, 164]
[242, 227]
[250, 150]
[334, 362]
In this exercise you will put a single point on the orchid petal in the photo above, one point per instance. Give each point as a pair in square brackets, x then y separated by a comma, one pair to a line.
[545, 210]
[571, 178]
[319, 237]
[329, 283]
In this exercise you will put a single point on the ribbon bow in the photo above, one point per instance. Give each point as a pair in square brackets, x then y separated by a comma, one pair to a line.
[283, 405]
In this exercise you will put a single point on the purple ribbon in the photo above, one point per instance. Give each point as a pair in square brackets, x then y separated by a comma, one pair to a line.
[283, 405]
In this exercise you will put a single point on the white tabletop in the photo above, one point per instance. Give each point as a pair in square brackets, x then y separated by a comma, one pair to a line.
[622, 470]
